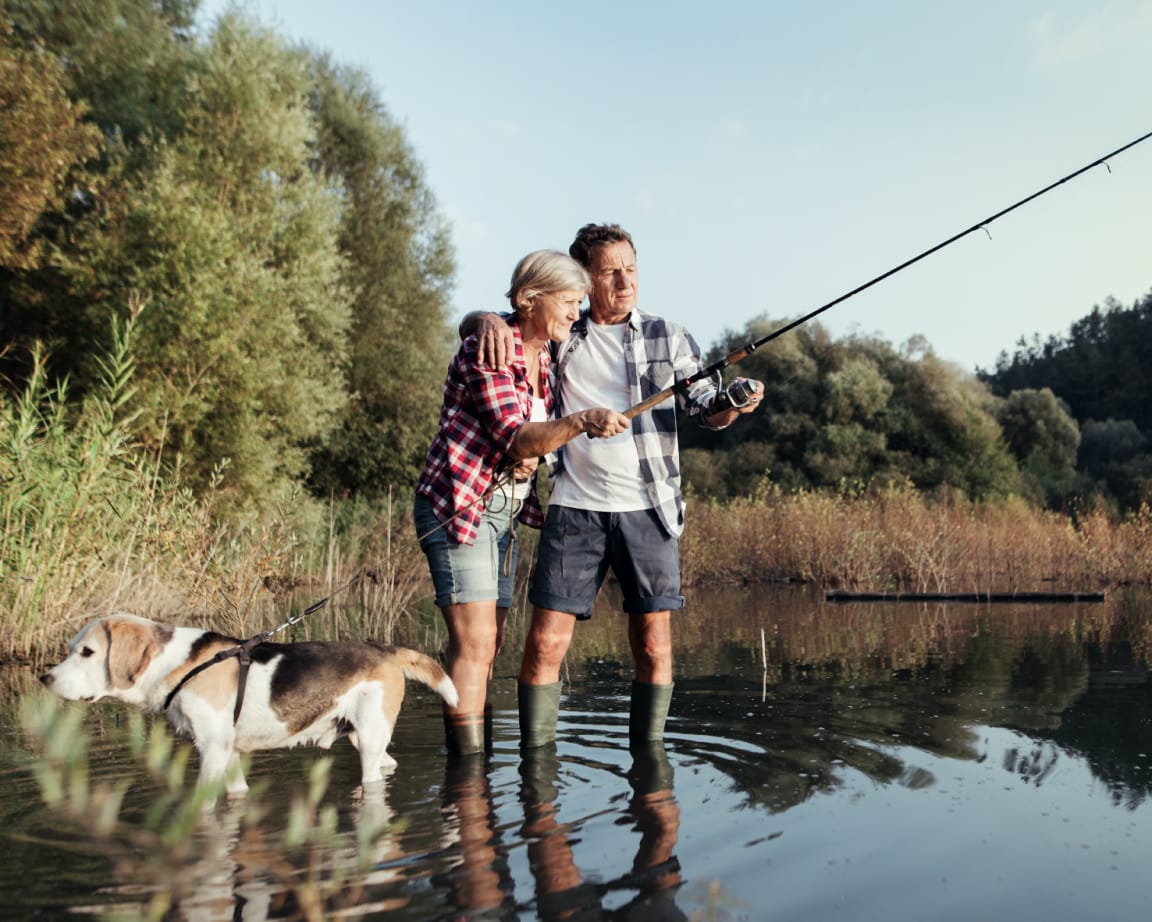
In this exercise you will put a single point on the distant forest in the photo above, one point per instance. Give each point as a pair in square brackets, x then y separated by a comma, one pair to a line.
[1064, 421]
[1102, 373]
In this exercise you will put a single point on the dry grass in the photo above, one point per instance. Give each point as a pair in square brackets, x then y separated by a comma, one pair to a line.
[901, 540]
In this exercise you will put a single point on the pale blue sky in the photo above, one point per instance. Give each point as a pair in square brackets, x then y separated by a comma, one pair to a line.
[769, 157]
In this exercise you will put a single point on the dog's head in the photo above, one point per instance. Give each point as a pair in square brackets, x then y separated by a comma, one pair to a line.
[107, 658]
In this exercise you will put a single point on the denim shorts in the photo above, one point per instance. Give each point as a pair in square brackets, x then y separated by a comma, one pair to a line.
[578, 546]
[477, 572]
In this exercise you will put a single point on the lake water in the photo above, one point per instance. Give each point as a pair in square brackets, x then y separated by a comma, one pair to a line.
[893, 761]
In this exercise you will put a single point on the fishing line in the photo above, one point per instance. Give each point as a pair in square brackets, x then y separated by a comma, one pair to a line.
[742, 353]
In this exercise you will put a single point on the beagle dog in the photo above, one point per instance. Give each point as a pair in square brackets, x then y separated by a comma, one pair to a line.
[294, 694]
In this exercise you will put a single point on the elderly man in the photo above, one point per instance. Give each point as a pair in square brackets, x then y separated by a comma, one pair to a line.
[615, 502]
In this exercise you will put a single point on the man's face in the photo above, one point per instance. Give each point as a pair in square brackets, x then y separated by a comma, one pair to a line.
[614, 283]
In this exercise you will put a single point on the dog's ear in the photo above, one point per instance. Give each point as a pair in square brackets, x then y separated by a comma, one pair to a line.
[131, 647]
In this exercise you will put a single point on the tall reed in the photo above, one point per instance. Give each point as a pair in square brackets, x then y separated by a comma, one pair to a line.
[90, 523]
[73, 499]
[899, 539]
[175, 852]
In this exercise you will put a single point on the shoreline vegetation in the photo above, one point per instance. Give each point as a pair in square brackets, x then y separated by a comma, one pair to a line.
[93, 520]
[90, 524]
[230, 249]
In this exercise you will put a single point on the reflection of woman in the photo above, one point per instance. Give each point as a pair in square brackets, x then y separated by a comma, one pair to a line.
[465, 515]
[480, 885]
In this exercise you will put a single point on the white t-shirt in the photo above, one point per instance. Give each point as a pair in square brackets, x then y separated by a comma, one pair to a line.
[538, 415]
[600, 474]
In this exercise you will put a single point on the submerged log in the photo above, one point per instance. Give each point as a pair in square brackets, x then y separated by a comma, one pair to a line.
[847, 596]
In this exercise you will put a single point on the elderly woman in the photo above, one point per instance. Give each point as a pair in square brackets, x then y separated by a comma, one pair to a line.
[478, 478]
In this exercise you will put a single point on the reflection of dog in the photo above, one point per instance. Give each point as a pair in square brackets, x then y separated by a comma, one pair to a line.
[295, 694]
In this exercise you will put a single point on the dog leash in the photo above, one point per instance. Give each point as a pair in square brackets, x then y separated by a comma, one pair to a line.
[244, 650]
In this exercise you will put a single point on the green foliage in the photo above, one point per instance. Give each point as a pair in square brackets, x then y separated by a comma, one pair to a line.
[856, 411]
[42, 139]
[243, 340]
[1102, 369]
[126, 58]
[89, 523]
[1102, 373]
[1114, 455]
[1044, 439]
[399, 264]
[1037, 425]
[259, 217]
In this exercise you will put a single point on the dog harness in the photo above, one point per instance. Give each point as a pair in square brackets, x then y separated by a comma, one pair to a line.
[243, 652]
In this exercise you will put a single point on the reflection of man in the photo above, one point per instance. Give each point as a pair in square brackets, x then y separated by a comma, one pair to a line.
[561, 892]
[615, 502]
[653, 808]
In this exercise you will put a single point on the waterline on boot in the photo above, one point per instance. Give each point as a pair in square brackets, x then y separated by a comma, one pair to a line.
[464, 733]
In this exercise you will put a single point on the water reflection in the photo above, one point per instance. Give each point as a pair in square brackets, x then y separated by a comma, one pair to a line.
[648, 889]
[239, 869]
[784, 699]
[813, 750]
[479, 880]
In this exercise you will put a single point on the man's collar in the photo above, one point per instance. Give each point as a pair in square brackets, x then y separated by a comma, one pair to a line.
[581, 325]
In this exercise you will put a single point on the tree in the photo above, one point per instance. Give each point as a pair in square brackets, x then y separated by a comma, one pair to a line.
[1038, 426]
[857, 410]
[942, 426]
[43, 138]
[124, 64]
[1102, 369]
[256, 210]
[1044, 439]
[1114, 454]
[126, 58]
[231, 240]
[399, 263]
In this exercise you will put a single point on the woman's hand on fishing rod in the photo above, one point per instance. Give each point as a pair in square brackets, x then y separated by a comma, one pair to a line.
[534, 440]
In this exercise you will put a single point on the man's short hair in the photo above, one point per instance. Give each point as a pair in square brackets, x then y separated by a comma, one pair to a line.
[591, 236]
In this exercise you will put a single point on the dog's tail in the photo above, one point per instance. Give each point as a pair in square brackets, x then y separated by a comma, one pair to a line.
[427, 671]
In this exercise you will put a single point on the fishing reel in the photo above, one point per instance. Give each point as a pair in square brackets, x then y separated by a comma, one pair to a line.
[738, 393]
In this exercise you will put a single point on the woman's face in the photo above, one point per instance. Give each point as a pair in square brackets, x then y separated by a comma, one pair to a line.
[554, 313]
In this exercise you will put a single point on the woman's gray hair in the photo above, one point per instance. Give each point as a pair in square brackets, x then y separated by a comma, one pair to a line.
[544, 272]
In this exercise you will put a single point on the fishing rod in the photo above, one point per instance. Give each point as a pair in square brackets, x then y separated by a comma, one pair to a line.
[744, 351]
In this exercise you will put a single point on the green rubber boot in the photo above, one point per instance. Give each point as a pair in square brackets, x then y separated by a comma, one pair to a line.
[648, 713]
[464, 733]
[539, 775]
[539, 711]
